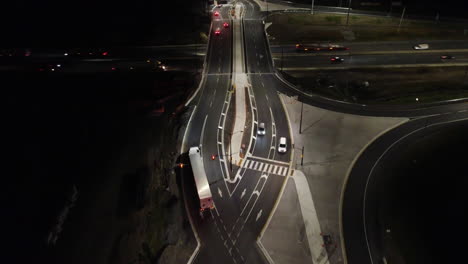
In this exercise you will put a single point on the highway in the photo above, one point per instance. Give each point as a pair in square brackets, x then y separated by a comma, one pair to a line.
[228, 233]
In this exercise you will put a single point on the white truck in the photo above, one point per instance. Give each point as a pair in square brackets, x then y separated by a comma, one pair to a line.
[203, 187]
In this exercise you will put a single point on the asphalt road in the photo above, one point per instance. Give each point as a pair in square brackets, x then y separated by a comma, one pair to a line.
[228, 233]
[361, 231]
[355, 61]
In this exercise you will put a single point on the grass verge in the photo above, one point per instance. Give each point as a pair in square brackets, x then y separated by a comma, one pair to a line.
[386, 86]
[292, 28]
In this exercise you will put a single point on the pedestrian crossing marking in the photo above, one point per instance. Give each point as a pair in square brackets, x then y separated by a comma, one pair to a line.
[266, 167]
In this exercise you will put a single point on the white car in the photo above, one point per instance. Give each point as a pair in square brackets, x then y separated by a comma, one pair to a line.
[282, 147]
[261, 129]
[421, 47]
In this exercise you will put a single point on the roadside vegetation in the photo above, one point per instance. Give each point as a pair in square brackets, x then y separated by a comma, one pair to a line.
[386, 86]
[289, 28]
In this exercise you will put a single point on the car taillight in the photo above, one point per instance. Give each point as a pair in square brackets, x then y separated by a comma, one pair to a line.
[104, 53]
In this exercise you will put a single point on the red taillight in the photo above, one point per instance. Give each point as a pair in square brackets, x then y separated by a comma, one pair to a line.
[347, 48]
[333, 59]
[297, 45]
[113, 68]
[104, 53]
[213, 157]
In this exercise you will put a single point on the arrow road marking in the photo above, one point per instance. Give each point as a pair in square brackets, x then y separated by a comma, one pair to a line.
[243, 193]
[259, 214]
[220, 192]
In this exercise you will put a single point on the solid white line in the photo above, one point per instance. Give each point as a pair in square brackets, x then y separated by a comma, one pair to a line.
[202, 132]
[186, 129]
[270, 160]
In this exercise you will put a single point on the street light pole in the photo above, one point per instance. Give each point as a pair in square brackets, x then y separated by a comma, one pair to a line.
[300, 123]
[302, 156]
[401, 19]
[230, 151]
[282, 58]
[312, 7]
[347, 17]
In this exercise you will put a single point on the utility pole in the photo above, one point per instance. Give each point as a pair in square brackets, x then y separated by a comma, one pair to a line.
[300, 123]
[282, 54]
[347, 17]
[302, 156]
[230, 150]
[401, 19]
[312, 7]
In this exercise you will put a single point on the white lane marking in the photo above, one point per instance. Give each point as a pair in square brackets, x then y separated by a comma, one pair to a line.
[256, 165]
[201, 136]
[270, 169]
[252, 164]
[261, 166]
[220, 192]
[259, 215]
[246, 163]
[271, 160]
[266, 167]
[280, 170]
[243, 193]
[211, 103]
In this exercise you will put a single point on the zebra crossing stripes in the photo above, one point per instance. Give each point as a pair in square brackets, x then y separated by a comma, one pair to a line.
[265, 167]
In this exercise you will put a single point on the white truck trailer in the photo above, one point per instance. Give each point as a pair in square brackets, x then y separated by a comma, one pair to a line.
[203, 187]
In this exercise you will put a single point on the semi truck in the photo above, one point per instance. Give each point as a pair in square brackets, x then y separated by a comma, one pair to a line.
[201, 181]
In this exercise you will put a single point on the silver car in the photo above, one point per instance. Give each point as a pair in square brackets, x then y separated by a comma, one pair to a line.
[261, 129]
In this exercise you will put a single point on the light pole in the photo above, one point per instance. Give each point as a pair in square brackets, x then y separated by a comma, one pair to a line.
[347, 17]
[312, 7]
[300, 122]
[401, 19]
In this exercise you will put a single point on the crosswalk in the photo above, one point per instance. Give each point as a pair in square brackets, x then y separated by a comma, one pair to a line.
[265, 167]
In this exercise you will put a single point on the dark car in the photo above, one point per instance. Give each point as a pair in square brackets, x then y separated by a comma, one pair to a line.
[336, 59]
[447, 57]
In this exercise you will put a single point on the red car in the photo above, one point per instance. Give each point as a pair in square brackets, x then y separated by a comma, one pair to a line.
[217, 32]
[226, 25]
